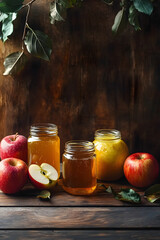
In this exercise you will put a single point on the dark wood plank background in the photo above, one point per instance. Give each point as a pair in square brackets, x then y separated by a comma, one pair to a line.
[94, 79]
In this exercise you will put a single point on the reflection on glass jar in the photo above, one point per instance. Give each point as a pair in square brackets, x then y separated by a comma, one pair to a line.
[44, 145]
[111, 152]
[79, 168]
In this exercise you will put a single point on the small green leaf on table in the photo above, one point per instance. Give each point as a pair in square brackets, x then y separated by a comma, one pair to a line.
[14, 63]
[143, 6]
[108, 189]
[45, 194]
[153, 193]
[126, 194]
[10, 6]
[133, 18]
[7, 25]
[38, 44]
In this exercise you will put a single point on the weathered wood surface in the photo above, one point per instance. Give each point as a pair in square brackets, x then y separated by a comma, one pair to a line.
[59, 198]
[99, 216]
[94, 79]
[78, 234]
[79, 217]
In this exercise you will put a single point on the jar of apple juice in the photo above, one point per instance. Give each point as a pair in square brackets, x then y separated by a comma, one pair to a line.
[44, 145]
[79, 168]
[111, 152]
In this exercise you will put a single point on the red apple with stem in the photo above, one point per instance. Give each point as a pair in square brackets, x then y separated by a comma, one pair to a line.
[141, 169]
[14, 146]
[13, 175]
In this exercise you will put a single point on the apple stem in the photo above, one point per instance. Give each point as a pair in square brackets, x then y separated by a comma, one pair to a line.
[14, 138]
[16, 135]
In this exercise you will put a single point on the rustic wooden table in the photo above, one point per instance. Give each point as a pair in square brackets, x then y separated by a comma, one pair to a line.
[99, 216]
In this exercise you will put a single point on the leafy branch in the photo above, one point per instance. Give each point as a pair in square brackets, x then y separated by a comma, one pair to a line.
[39, 44]
[26, 21]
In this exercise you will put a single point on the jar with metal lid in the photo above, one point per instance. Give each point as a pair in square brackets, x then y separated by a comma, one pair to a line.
[44, 145]
[111, 152]
[79, 167]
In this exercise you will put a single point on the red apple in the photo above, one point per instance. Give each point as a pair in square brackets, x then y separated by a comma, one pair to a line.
[141, 169]
[44, 176]
[14, 146]
[13, 175]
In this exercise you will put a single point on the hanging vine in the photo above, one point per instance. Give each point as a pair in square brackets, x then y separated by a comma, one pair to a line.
[39, 44]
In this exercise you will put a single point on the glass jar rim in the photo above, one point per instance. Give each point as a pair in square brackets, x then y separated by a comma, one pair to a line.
[43, 129]
[79, 145]
[111, 134]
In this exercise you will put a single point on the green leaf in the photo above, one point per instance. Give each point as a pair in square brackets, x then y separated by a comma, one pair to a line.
[8, 6]
[44, 195]
[120, 21]
[133, 18]
[143, 6]
[7, 25]
[153, 193]
[38, 44]
[108, 189]
[153, 198]
[58, 9]
[56, 12]
[128, 195]
[14, 63]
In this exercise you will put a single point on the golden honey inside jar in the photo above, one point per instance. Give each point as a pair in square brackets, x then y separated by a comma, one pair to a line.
[79, 168]
[44, 145]
[111, 152]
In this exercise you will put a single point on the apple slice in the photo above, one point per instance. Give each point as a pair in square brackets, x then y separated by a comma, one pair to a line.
[44, 176]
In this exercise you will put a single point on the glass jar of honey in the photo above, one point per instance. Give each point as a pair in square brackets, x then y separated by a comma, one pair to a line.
[111, 152]
[44, 145]
[79, 168]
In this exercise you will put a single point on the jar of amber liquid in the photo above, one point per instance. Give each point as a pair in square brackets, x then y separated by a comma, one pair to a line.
[79, 168]
[111, 152]
[44, 145]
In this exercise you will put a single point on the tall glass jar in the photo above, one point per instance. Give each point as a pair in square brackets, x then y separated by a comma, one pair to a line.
[79, 168]
[44, 145]
[111, 152]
